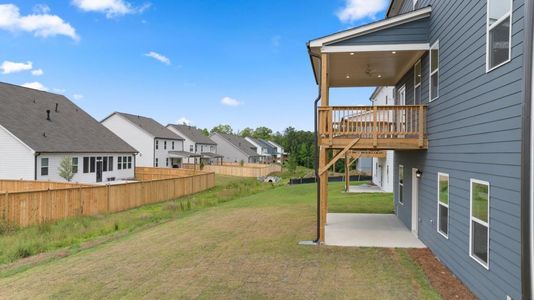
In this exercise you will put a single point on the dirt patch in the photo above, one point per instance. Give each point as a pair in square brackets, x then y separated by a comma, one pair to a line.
[441, 279]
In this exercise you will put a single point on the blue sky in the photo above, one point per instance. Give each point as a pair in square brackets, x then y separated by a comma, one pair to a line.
[252, 54]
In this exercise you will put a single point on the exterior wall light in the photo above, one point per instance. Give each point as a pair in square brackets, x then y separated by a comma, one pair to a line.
[418, 173]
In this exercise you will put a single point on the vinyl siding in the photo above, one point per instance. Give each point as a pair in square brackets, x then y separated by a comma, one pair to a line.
[136, 137]
[474, 131]
[228, 150]
[409, 33]
[16, 159]
[54, 161]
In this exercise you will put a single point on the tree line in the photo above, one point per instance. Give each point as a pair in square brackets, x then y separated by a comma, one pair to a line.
[298, 143]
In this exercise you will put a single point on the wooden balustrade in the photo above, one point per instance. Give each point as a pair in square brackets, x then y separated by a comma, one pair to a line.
[377, 127]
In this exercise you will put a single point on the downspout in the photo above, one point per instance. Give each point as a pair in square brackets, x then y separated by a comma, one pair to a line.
[35, 165]
[316, 141]
[526, 151]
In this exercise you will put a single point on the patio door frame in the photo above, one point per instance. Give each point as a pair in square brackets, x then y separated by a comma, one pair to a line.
[415, 203]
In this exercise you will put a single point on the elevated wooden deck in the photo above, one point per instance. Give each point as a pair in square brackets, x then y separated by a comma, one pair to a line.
[373, 127]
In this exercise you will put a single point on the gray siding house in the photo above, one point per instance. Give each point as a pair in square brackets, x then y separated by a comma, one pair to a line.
[467, 193]
[235, 149]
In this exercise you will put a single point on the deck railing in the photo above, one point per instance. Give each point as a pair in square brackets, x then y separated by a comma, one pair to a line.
[373, 122]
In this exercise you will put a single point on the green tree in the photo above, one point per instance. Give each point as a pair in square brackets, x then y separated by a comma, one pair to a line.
[262, 132]
[222, 128]
[205, 132]
[292, 163]
[66, 169]
[247, 132]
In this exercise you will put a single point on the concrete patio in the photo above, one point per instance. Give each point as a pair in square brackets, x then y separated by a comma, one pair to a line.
[365, 188]
[369, 230]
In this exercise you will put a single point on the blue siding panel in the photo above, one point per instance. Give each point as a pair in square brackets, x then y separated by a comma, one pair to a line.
[474, 131]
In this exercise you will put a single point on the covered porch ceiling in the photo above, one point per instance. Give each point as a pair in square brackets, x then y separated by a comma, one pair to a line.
[377, 54]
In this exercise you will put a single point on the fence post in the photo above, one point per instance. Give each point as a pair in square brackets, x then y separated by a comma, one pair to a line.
[108, 204]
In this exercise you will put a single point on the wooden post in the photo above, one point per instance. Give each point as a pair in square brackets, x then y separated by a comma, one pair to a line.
[347, 173]
[421, 125]
[375, 127]
[323, 157]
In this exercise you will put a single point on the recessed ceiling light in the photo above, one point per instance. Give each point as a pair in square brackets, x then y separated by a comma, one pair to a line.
[348, 76]
[379, 76]
[394, 52]
[352, 53]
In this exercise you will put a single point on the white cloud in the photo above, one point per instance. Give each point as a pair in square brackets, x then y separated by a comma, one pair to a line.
[35, 85]
[41, 9]
[37, 72]
[355, 10]
[183, 120]
[40, 24]
[14, 67]
[159, 57]
[228, 101]
[77, 96]
[112, 8]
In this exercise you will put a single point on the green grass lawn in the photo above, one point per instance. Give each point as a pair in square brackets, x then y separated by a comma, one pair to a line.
[341, 202]
[245, 248]
[73, 232]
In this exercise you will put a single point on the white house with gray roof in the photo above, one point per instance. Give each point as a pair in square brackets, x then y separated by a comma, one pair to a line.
[196, 142]
[235, 148]
[280, 154]
[157, 145]
[38, 130]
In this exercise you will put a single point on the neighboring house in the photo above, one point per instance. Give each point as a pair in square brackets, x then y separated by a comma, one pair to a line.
[461, 129]
[383, 167]
[157, 145]
[196, 142]
[280, 154]
[38, 130]
[263, 149]
[235, 148]
[364, 165]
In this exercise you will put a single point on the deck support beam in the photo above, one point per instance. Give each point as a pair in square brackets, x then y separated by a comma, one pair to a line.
[323, 151]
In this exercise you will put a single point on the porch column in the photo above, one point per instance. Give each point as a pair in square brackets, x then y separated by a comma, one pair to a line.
[323, 154]
[347, 172]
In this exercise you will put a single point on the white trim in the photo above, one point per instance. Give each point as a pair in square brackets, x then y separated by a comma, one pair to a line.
[376, 48]
[386, 23]
[490, 27]
[471, 219]
[399, 184]
[414, 3]
[434, 46]
[415, 203]
[443, 204]
[415, 86]
[16, 138]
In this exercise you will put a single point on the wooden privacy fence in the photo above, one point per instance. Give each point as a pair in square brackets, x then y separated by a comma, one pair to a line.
[34, 185]
[247, 170]
[36, 207]
[148, 173]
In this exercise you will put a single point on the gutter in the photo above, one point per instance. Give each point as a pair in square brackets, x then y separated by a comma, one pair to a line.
[527, 243]
[316, 141]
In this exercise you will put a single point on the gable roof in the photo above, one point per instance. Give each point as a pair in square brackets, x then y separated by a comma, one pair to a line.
[70, 129]
[149, 125]
[240, 143]
[270, 148]
[193, 133]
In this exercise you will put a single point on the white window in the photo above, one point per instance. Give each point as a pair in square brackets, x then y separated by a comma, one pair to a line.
[44, 166]
[434, 71]
[172, 145]
[498, 33]
[74, 165]
[157, 162]
[157, 144]
[165, 145]
[417, 82]
[479, 222]
[401, 184]
[190, 148]
[443, 204]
